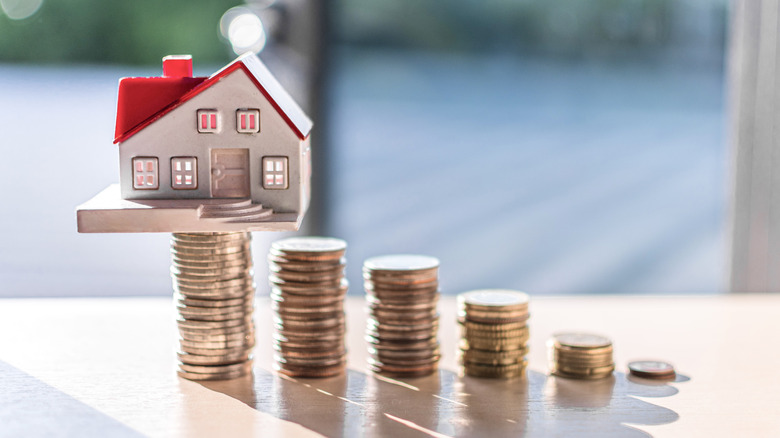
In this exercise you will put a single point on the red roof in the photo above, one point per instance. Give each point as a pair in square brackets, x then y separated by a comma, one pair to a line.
[141, 101]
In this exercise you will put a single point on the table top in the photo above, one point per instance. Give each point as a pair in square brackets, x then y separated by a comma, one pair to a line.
[106, 367]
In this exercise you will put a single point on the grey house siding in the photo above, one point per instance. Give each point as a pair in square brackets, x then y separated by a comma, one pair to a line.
[176, 134]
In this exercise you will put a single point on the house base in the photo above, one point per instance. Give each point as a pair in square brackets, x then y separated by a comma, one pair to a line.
[107, 212]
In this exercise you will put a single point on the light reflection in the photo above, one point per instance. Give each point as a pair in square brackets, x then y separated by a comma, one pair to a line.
[243, 29]
[20, 9]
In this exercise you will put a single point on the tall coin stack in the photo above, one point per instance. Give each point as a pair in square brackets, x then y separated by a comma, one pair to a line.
[580, 356]
[214, 294]
[402, 293]
[494, 327]
[307, 295]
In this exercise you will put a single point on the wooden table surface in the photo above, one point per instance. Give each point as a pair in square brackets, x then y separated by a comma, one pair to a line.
[106, 367]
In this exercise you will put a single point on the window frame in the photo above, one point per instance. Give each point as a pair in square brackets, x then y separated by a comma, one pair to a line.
[284, 172]
[248, 112]
[193, 173]
[212, 118]
[145, 173]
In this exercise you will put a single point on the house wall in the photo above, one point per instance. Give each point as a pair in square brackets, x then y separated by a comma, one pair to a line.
[176, 134]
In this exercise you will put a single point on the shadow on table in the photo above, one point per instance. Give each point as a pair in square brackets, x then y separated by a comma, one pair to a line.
[445, 404]
[30, 407]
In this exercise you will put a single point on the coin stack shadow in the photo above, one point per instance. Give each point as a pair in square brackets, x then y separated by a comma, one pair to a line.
[214, 293]
[580, 356]
[494, 333]
[308, 287]
[402, 292]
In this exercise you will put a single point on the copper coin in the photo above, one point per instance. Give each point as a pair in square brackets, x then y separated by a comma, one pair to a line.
[195, 359]
[310, 371]
[399, 371]
[390, 289]
[495, 371]
[309, 324]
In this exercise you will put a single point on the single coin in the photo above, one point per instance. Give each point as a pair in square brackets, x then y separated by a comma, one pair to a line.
[479, 327]
[323, 277]
[224, 352]
[310, 371]
[201, 330]
[195, 359]
[218, 337]
[212, 376]
[581, 340]
[373, 324]
[197, 237]
[389, 335]
[495, 371]
[431, 343]
[401, 371]
[245, 343]
[495, 318]
[191, 324]
[582, 375]
[486, 335]
[309, 324]
[307, 335]
[309, 244]
[212, 373]
[404, 354]
[401, 262]
[209, 369]
[290, 300]
[340, 351]
[304, 265]
[493, 344]
[652, 369]
[401, 317]
[493, 298]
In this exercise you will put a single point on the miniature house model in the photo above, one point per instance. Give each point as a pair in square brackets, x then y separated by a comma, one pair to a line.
[224, 153]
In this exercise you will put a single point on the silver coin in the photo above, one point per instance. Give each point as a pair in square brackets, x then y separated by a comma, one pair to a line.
[309, 245]
[652, 369]
[401, 262]
[492, 298]
[581, 340]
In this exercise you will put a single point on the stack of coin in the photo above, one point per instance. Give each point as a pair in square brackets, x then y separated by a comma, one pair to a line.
[402, 293]
[214, 294]
[307, 295]
[580, 356]
[494, 330]
[652, 369]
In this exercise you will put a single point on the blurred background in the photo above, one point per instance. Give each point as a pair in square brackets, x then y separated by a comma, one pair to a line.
[556, 147]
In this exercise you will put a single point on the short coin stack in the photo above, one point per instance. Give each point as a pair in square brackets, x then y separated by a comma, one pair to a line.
[580, 356]
[652, 369]
[307, 295]
[402, 293]
[494, 327]
[214, 294]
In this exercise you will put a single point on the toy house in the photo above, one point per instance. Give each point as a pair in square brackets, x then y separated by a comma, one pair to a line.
[223, 153]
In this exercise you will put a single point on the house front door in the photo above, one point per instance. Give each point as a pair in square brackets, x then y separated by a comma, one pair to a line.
[230, 173]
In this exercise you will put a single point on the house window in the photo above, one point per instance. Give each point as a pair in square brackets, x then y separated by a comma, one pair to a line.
[248, 121]
[208, 121]
[184, 173]
[275, 173]
[145, 173]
